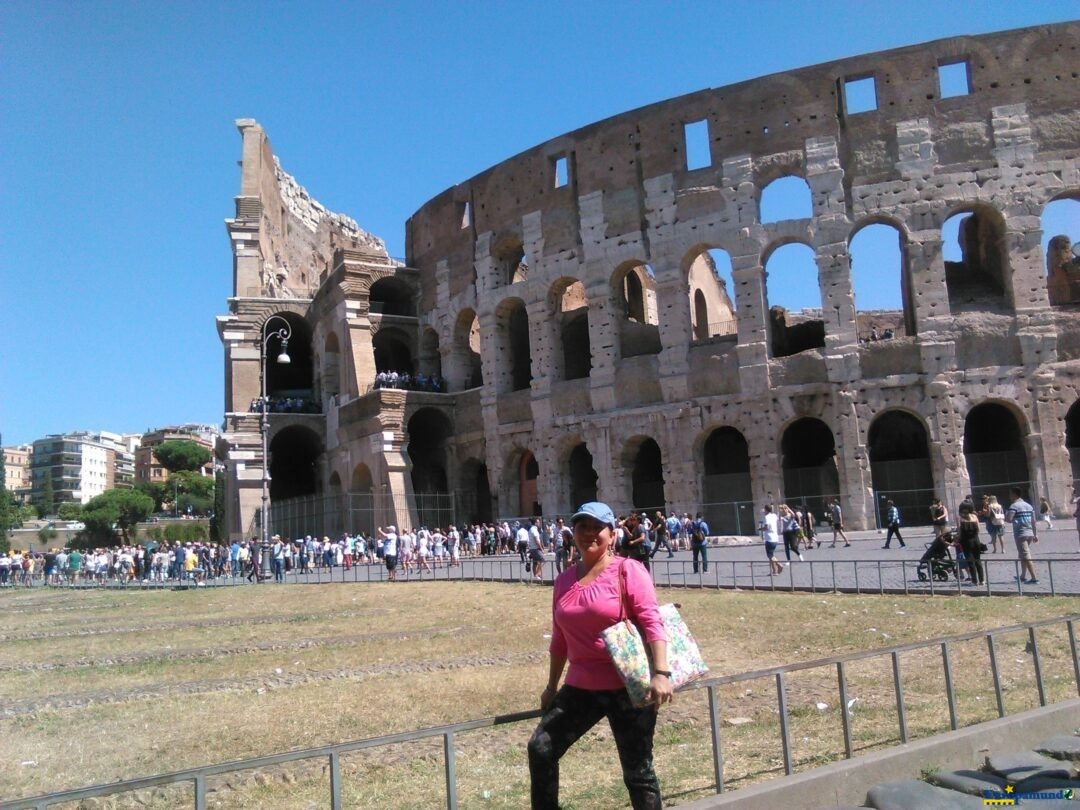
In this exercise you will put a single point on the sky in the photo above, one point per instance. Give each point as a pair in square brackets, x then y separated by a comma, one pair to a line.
[118, 150]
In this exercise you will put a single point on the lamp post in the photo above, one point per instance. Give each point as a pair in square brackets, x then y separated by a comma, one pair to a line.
[282, 333]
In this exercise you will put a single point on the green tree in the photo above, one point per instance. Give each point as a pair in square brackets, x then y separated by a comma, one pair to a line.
[47, 502]
[156, 490]
[115, 510]
[7, 503]
[181, 454]
[69, 510]
[191, 489]
[46, 535]
[25, 512]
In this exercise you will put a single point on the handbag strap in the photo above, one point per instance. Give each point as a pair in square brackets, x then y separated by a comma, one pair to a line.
[624, 614]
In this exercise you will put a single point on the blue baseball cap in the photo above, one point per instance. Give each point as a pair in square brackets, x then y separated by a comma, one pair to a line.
[595, 510]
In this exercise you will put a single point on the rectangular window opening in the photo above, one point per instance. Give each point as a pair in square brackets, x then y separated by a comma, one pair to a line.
[562, 172]
[466, 215]
[860, 95]
[698, 155]
[953, 79]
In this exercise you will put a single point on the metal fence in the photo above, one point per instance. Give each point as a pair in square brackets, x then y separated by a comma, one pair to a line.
[197, 777]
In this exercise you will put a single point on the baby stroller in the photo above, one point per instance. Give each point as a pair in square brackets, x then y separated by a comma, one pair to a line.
[937, 561]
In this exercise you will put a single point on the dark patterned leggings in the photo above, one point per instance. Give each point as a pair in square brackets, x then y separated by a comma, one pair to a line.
[574, 712]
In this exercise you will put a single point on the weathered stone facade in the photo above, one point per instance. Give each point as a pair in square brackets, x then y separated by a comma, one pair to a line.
[566, 296]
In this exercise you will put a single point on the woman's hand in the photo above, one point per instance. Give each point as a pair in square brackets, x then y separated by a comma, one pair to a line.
[660, 690]
[547, 698]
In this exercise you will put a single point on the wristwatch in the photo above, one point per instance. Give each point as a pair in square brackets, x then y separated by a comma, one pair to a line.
[663, 672]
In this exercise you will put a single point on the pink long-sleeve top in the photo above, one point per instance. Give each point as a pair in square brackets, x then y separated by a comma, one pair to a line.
[579, 614]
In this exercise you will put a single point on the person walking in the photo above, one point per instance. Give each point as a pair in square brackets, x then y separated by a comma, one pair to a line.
[1046, 513]
[1021, 515]
[892, 520]
[588, 598]
[770, 533]
[995, 524]
[660, 527]
[939, 517]
[970, 543]
[789, 525]
[837, 515]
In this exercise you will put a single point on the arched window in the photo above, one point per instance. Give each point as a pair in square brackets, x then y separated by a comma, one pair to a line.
[392, 353]
[647, 475]
[515, 357]
[712, 294]
[294, 452]
[429, 432]
[900, 467]
[571, 308]
[474, 494]
[430, 358]
[808, 458]
[1061, 246]
[465, 368]
[634, 288]
[794, 297]
[725, 487]
[511, 261]
[786, 198]
[976, 260]
[582, 475]
[994, 450]
[297, 377]
[391, 296]
[880, 281]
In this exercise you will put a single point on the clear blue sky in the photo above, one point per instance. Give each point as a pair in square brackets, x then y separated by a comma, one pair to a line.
[118, 152]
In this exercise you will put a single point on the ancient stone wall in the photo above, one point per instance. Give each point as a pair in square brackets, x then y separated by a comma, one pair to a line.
[594, 204]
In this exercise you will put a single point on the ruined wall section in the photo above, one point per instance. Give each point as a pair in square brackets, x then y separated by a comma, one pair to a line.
[1008, 147]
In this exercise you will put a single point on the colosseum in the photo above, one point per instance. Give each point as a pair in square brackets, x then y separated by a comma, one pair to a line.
[592, 317]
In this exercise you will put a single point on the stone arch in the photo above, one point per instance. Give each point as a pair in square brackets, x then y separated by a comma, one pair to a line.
[296, 378]
[726, 491]
[808, 460]
[1060, 222]
[295, 451]
[512, 341]
[361, 511]
[878, 307]
[474, 493]
[633, 293]
[465, 369]
[430, 359]
[361, 480]
[898, 443]
[391, 296]
[331, 366]
[522, 473]
[581, 475]
[569, 306]
[995, 449]
[793, 296]
[643, 460]
[429, 434]
[1072, 440]
[511, 260]
[712, 300]
[392, 348]
[786, 197]
[977, 272]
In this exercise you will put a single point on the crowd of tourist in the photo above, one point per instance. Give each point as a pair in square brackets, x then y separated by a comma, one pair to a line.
[413, 550]
[285, 405]
[410, 382]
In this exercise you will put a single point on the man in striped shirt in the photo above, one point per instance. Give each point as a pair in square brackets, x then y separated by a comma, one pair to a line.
[1021, 515]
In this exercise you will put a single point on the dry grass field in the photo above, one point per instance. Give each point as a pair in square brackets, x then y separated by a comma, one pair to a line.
[97, 686]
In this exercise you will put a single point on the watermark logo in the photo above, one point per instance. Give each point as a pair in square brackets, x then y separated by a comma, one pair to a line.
[1009, 797]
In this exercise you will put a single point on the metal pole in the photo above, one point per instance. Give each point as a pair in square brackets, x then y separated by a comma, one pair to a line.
[718, 757]
[845, 718]
[898, 687]
[451, 771]
[335, 781]
[949, 684]
[1075, 660]
[781, 705]
[997, 674]
[1038, 666]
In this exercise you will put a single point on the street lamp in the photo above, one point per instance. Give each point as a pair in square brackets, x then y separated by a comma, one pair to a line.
[282, 333]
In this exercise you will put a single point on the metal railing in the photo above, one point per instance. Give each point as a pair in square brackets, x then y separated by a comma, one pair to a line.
[198, 776]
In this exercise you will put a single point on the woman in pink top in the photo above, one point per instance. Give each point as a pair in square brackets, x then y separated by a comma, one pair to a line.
[587, 601]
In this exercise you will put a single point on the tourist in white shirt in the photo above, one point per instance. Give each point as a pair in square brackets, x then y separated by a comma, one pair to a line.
[770, 533]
